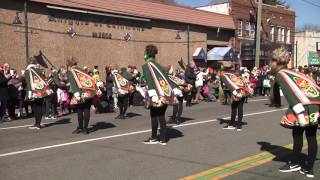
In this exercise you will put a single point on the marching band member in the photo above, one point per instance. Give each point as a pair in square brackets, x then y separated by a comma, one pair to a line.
[239, 91]
[36, 90]
[303, 96]
[124, 87]
[161, 92]
[185, 88]
[84, 89]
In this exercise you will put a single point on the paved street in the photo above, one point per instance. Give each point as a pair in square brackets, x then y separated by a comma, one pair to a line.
[114, 150]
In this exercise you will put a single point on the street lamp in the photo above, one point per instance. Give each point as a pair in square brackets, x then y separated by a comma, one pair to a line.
[17, 21]
[71, 32]
[178, 37]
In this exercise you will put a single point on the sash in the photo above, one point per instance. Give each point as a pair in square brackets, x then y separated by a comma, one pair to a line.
[86, 84]
[304, 88]
[234, 82]
[122, 84]
[161, 84]
[180, 82]
[39, 87]
[290, 119]
[83, 80]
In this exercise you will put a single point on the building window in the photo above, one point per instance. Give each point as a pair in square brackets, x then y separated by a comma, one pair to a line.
[252, 30]
[272, 33]
[239, 28]
[280, 34]
[288, 36]
[247, 29]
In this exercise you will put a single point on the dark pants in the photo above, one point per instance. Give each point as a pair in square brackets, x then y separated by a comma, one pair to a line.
[3, 107]
[227, 95]
[12, 103]
[83, 111]
[276, 98]
[178, 109]
[50, 105]
[37, 108]
[158, 116]
[123, 102]
[311, 134]
[191, 95]
[237, 108]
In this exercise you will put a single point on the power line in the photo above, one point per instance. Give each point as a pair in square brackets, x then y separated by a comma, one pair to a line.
[311, 3]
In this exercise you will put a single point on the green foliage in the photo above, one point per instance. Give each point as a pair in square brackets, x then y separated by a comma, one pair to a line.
[275, 2]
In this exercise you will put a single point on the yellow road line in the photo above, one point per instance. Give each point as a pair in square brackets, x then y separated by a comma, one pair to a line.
[231, 168]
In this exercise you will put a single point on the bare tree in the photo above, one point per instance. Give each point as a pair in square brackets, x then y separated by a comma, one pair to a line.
[308, 27]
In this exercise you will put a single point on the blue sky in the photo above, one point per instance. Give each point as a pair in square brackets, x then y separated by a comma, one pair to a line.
[305, 12]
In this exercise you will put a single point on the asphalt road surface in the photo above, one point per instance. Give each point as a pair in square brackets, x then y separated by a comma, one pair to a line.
[198, 148]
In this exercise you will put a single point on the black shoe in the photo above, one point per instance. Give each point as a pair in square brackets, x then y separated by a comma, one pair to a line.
[171, 120]
[151, 141]
[308, 174]
[289, 167]
[77, 131]
[271, 105]
[229, 127]
[163, 143]
[178, 121]
[35, 127]
[277, 106]
[85, 131]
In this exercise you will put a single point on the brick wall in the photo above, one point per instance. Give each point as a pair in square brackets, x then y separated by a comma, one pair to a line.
[48, 34]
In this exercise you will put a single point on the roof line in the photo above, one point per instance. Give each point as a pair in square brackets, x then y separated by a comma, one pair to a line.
[185, 7]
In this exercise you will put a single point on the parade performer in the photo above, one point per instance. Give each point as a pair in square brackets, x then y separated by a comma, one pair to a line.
[239, 91]
[185, 88]
[36, 90]
[303, 96]
[161, 92]
[124, 87]
[84, 90]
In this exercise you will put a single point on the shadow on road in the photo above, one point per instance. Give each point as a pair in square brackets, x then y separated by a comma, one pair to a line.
[131, 115]
[282, 154]
[173, 133]
[226, 121]
[59, 122]
[100, 126]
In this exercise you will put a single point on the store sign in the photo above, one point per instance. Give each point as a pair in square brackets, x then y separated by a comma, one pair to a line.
[112, 24]
[313, 58]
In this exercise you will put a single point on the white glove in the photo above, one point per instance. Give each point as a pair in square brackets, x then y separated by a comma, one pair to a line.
[177, 92]
[237, 94]
[302, 120]
[77, 95]
[154, 99]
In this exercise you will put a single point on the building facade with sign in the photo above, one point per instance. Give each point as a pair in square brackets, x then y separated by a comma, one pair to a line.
[101, 32]
[306, 43]
[278, 28]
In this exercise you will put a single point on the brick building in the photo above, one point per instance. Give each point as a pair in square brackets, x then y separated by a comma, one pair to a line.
[278, 27]
[108, 31]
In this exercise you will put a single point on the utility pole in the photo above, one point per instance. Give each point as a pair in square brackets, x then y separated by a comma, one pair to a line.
[26, 29]
[258, 34]
[188, 36]
[296, 54]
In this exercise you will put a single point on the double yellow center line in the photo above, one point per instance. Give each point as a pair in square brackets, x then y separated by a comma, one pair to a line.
[228, 169]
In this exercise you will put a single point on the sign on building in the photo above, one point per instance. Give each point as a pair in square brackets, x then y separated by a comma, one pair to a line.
[313, 58]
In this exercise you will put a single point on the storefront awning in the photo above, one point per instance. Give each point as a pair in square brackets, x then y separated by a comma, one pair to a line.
[199, 54]
[222, 54]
